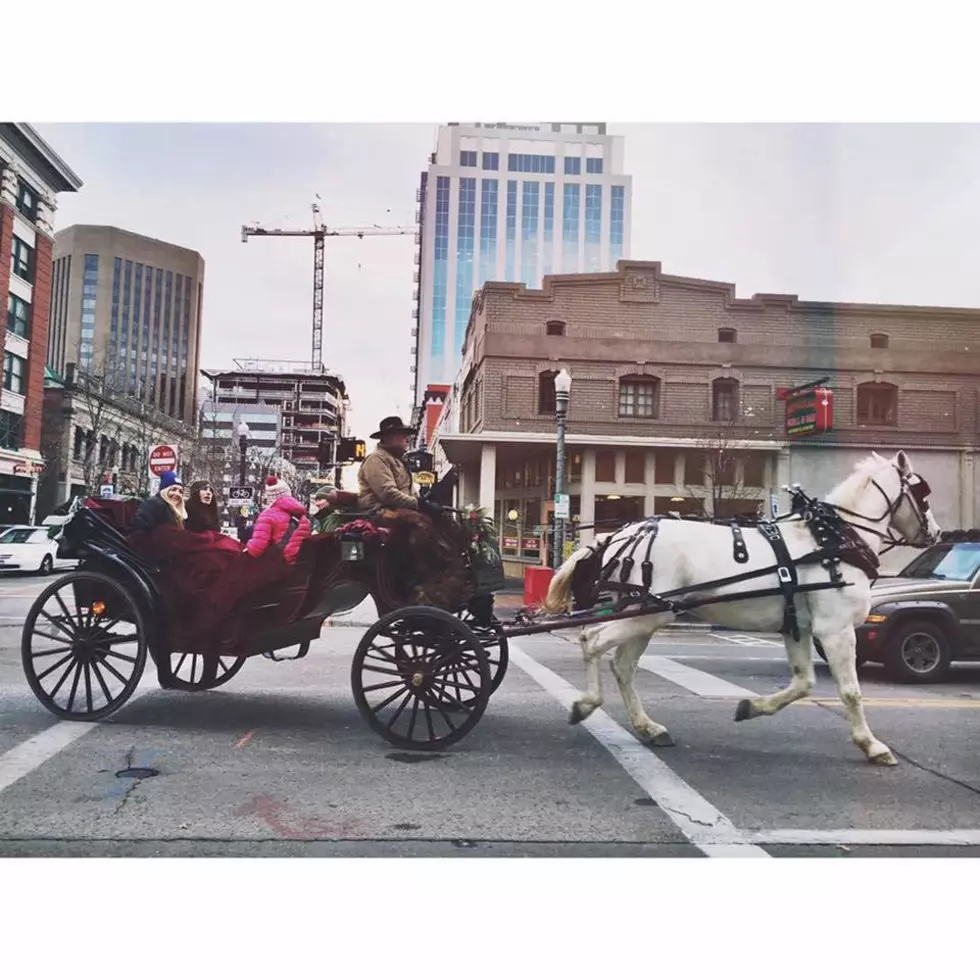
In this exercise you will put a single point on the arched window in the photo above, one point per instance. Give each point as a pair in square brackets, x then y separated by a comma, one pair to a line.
[724, 400]
[546, 392]
[727, 335]
[877, 403]
[555, 328]
[639, 397]
[879, 340]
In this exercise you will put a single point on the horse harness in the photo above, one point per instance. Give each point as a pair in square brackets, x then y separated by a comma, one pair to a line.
[837, 543]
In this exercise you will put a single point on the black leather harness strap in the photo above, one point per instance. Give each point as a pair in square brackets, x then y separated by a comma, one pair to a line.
[647, 567]
[740, 551]
[785, 573]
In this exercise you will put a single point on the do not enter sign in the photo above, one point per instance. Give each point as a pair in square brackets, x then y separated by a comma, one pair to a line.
[162, 458]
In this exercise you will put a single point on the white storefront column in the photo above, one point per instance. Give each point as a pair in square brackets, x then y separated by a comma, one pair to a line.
[968, 489]
[587, 497]
[782, 477]
[488, 476]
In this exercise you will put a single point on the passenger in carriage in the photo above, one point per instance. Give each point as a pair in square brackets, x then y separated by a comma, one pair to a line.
[202, 509]
[167, 507]
[383, 480]
[321, 510]
[273, 523]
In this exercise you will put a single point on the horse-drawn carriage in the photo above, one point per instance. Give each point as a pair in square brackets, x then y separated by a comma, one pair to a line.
[422, 675]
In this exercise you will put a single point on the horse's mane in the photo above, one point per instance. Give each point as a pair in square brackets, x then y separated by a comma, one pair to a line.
[853, 485]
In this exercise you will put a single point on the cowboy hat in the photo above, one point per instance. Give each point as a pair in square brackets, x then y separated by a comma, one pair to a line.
[392, 426]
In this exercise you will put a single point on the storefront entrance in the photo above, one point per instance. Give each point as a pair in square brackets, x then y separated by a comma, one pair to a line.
[15, 500]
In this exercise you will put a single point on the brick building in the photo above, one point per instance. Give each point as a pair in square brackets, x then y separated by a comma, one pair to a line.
[675, 401]
[31, 175]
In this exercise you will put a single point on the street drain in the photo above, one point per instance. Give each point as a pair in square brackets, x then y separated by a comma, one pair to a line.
[137, 772]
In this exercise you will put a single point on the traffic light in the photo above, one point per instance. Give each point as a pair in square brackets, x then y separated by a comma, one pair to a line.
[350, 450]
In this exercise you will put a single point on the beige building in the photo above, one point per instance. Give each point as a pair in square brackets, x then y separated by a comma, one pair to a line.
[128, 308]
[675, 400]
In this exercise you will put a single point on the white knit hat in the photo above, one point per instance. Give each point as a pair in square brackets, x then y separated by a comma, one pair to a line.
[275, 488]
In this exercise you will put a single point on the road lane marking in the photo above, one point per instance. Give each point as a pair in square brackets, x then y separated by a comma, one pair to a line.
[874, 838]
[24, 758]
[698, 820]
[694, 680]
[896, 702]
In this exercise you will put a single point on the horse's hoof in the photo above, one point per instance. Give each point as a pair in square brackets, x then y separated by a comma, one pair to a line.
[577, 714]
[743, 711]
[884, 759]
[661, 740]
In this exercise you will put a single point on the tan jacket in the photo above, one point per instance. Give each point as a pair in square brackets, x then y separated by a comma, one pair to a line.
[384, 481]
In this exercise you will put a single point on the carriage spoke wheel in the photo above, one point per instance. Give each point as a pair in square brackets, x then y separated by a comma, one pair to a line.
[83, 648]
[196, 672]
[494, 641]
[421, 678]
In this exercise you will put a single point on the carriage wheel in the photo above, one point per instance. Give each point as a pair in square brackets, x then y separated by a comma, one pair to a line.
[410, 674]
[84, 646]
[494, 641]
[196, 672]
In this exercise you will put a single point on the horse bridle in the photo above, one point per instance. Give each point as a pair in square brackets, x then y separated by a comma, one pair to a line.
[915, 490]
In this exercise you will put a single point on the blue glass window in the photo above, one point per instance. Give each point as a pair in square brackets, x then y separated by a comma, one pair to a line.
[175, 342]
[467, 158]
[491, 161]
[440, 272]
[186, 344]
[530, 196]
[165, 345]
[593, 226]
[511, 233]
[488, 231]
[157, 335]
[573, 165]
[465, 238]
[21, 259]
[144, 382]
[572, 201]
[110, 367]
[617, 211]
[549, 228]
[593, 165]
[90, 285]
[530, 163]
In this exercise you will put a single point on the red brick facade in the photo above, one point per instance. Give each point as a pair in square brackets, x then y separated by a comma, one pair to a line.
[640, 322]
[6, 232]
[33, 408]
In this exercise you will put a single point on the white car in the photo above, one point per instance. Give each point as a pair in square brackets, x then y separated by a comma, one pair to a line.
[31, 549]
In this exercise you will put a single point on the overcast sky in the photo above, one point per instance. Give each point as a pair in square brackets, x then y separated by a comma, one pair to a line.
[860, 213]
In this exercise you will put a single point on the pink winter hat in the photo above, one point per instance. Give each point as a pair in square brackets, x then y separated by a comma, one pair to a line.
[275, 488]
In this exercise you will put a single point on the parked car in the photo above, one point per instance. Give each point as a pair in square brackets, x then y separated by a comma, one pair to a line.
[31, 549]
[928, 615]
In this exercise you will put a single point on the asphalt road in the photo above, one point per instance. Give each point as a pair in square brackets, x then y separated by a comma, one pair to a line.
[279, 763]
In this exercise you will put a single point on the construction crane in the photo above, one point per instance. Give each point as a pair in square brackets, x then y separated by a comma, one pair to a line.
[319, 232]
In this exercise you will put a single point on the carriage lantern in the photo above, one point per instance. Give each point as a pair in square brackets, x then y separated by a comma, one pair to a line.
[351, 549]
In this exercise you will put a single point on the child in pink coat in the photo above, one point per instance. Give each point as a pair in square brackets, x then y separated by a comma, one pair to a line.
[273, 522]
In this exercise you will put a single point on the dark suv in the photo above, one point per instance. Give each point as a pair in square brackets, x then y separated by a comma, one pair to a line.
[927, 615]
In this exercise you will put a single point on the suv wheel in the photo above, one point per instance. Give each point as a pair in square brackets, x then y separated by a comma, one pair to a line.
[918, 652]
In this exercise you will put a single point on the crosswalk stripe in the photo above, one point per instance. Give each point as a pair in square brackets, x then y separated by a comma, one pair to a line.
[694, 680]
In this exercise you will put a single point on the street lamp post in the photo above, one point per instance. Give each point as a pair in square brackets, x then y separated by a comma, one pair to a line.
[563, 387]
[243, 432]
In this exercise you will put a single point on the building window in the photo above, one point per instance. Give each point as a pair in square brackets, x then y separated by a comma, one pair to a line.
[488, 230]
[78, 446]
[11, 427]
[879, 340]
[21, 259]
[546, 393]
[754, 470]
[605, 467]
[724, 400]
[638, 397]
[726, 335]
[18, 316]
[569, 226]
[555, 328]
[664, 467]
[573, 166]
[530, 163]
[617, 215]
[511, 231]
[467, 158]
[440, 274]
[593, 165]
[14, 373]
[27, 201]
[90, 286]
[465, 241]
[593, 226]
[549, 228]
[636, 466]
[530, 200]
[877, 404]
[491, 161]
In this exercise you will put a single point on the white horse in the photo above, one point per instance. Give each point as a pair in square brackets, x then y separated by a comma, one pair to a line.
[882, 499]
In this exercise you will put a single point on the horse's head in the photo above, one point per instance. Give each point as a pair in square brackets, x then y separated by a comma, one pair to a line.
[907, 494]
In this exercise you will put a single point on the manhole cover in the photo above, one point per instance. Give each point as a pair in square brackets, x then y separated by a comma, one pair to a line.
[137, 772]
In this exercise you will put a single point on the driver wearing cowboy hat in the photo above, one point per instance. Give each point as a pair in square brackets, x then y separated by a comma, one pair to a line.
[383, 480]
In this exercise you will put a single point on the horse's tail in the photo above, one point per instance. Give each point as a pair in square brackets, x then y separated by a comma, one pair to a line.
[559, 597]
